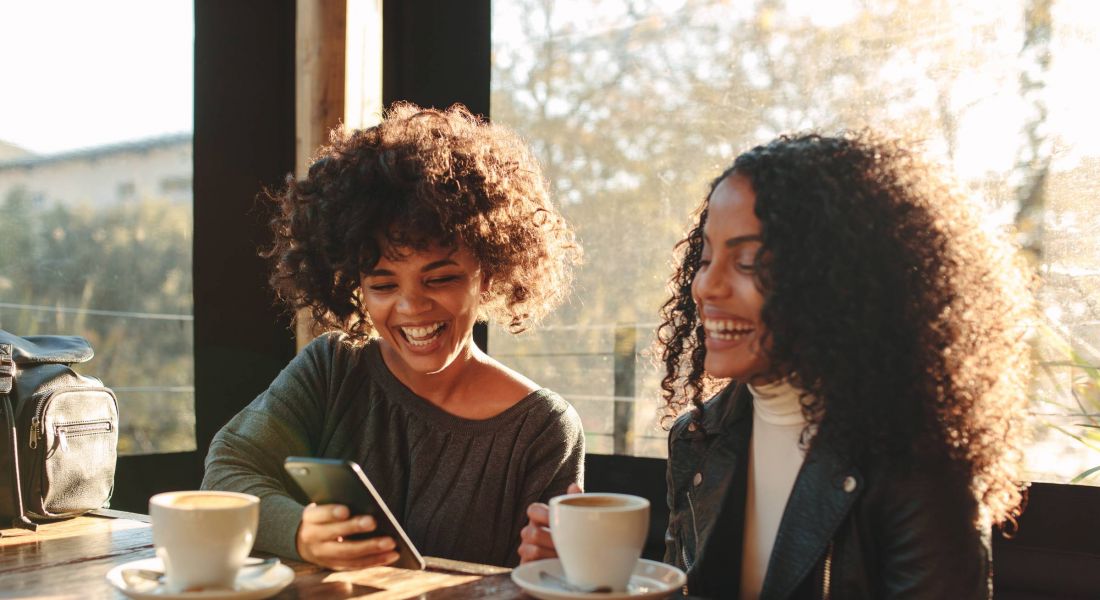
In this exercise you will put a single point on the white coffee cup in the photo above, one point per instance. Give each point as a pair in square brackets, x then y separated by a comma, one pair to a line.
[599, 537]
[203, 537]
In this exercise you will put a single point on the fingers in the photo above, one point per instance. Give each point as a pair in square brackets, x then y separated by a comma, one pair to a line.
[538, 514]
[322, 539]
[325, 513]
[535, 540]
[574, 488]
[374, 560]
[536, 536]
[354, 550]
[325, 531]
[529, 552]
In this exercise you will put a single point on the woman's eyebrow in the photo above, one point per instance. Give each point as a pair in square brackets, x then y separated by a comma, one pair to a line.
[741, 239]
[428, 267]
[437, 264]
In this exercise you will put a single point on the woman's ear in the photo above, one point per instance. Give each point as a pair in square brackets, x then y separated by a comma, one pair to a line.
[486, 285]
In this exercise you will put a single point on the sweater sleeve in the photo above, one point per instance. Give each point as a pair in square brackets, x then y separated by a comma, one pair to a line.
[285, 420]
[555, 459]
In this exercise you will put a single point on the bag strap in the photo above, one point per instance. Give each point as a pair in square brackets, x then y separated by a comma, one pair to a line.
[7, 379]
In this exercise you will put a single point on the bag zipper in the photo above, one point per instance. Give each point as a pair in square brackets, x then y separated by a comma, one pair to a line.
[67, 430]
[38, 427]
[827, 575]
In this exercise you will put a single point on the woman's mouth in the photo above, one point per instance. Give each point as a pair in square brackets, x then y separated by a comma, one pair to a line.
[422, 336]
[727, 330]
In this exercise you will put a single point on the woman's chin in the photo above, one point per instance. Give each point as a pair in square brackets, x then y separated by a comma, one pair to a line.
[738, 370]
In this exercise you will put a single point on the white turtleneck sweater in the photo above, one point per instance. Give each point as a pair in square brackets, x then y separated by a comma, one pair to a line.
[775, 457]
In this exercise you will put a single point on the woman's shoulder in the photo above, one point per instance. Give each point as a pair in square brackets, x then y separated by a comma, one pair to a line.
[554, 404]
[550, 409]
[928, 485]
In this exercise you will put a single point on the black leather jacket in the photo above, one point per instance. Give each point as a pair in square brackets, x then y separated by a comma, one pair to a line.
[846, 532]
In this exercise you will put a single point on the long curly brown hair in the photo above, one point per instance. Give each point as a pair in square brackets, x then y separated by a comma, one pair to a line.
[885, 302]
[418, 178]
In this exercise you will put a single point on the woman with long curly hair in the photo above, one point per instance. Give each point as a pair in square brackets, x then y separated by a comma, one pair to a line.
[870, 340]
[400, 238]
[867, 343]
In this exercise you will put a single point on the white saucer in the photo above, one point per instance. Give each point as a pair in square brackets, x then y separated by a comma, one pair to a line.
[248, 587]
[650, 579]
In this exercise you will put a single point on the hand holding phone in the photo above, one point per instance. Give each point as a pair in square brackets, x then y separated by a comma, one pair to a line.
[331, 537]
[348, 526]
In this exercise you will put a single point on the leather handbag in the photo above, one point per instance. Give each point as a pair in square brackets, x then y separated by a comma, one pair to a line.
[60, 441]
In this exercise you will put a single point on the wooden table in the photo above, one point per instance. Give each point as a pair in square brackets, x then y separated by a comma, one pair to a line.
[69, 559]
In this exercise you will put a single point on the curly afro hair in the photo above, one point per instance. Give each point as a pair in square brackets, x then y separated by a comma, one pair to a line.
[419, 178]
[884, 301]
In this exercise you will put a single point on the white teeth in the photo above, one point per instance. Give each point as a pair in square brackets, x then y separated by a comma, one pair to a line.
[726, 329]
[421, 336]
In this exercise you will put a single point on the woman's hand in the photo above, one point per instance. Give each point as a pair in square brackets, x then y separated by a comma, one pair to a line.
[535, 540]
[321, 539]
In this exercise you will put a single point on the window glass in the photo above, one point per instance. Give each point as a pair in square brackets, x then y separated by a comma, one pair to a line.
[95, 198]
[632, 105]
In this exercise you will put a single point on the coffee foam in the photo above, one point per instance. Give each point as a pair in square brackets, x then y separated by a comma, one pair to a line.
[201, 501]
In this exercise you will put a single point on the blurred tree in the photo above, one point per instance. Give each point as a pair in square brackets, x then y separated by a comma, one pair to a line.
[119, 276]
[632, 105]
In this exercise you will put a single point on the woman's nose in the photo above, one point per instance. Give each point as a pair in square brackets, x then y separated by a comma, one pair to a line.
[413, 303]
[707, 283]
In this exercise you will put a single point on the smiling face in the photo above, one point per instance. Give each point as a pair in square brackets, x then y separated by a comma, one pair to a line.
[725, 286]
[424, 305]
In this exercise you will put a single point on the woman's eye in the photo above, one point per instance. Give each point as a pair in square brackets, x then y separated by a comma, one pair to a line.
[443, 280]
[382, 287]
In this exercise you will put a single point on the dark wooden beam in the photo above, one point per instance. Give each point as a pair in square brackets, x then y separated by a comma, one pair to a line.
[244, 142]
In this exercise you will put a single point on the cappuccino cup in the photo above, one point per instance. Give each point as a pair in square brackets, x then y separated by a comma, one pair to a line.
[203, 537]
[599, 537]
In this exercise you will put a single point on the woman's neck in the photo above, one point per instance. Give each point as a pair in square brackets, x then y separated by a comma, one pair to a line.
[442, 387]
[778, 402]
[473, 386]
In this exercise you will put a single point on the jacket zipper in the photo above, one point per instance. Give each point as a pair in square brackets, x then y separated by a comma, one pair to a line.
[65, 431]
[38, 427]
[694, 528]
[827, 575]
[683, 548]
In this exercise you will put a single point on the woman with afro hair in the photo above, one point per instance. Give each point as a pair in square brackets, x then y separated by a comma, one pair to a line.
[400, 238]
[867, 344]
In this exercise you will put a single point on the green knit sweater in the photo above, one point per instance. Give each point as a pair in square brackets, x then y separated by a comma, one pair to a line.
[459, 487]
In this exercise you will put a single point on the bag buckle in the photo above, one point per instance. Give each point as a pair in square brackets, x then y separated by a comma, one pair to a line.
[7, 368]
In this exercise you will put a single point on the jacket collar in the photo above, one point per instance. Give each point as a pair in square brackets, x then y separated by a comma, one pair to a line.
[823, 494]
[731, 404]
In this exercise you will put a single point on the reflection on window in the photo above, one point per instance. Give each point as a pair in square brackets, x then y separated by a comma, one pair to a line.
[633, 105]
[95, 198]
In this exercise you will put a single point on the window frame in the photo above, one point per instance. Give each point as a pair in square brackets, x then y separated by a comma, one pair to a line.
[243, 141]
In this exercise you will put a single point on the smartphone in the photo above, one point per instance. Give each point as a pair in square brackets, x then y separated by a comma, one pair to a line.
[334, 481]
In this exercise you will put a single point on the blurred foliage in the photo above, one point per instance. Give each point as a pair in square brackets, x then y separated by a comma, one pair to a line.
[121, 277]
[1067, 396]
[633, 112]
[633, 105]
